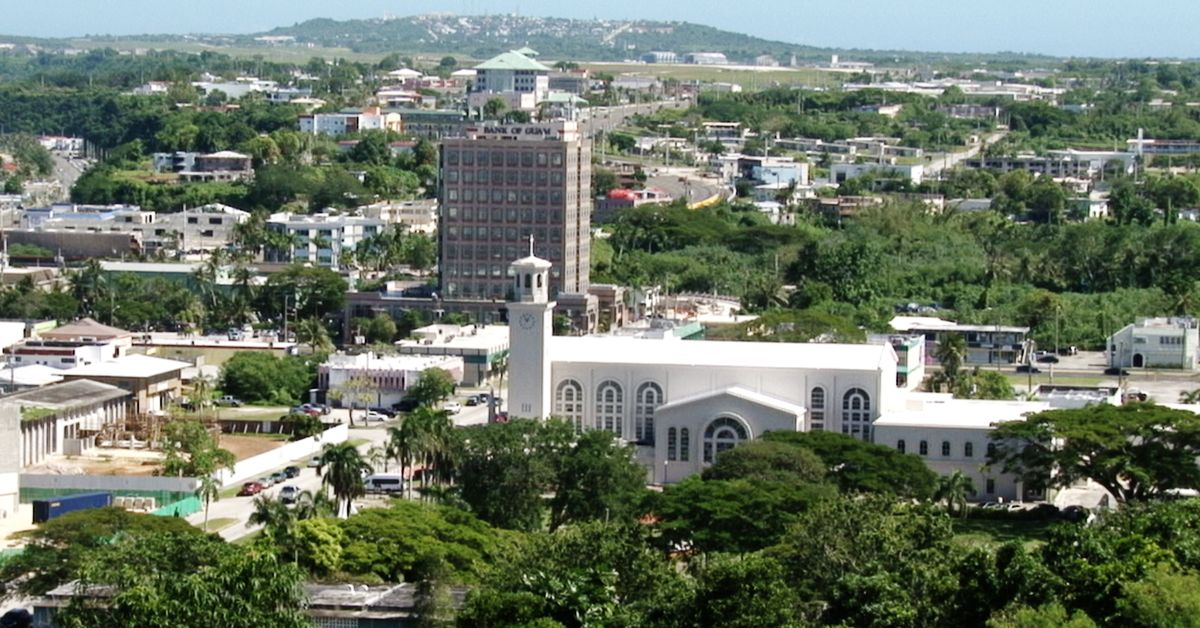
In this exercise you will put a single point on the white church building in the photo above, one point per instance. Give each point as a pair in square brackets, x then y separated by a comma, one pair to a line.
[684, 401]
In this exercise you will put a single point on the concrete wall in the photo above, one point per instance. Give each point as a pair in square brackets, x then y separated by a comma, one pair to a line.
[273, 460]
[10, 459]
[114, 483]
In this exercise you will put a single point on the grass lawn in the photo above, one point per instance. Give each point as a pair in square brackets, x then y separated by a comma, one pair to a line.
[359, 442]
[995, 532]
[248, 539]
[1021, 380]
[218, 524]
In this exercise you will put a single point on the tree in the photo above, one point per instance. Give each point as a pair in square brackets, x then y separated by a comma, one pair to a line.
[342, 468]
[859, 467]
[55, 552]
[360, 389]
[1136, 451]
[493, 108]
[433, 386]
[312, 332]
[191, 450]
[954, 489]
[951, 352]
[208, 490]
[747, 591]
[392, 543]
[259, 377]
[597, 479]
[157, 580]
[1164, 598]
[313, 291]
[767, 461]
[1051, 615]
[592, 574]
[504, 468]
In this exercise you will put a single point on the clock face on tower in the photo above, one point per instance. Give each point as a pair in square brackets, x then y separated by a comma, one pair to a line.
[526, 320]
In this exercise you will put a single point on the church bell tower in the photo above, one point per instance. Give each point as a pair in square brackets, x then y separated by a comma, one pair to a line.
[530, 325]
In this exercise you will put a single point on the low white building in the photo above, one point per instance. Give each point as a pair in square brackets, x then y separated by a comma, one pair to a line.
[839, 173]
[953, 435]
[343, 122]
[320, 239]
[1155, 343]
[391, 376]
[66, 418]
[483, 349]
[419, 216]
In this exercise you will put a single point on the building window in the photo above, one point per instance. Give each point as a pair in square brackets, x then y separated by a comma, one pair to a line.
[969, 450]
[722, 434]
[685, 444]
[568, 403]
[946, 448]
[991, 451]
[816, 409]
[900, 445]
[991, 487]
[647, 398]
[923, 448]
[610, 405]
[671, 451]
[856, 414]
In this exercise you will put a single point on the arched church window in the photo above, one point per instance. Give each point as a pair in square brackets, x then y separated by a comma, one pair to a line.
[646, 400]
[816, 409]
[721, 434]
[610, 407]
[568, 403]
[856, 414]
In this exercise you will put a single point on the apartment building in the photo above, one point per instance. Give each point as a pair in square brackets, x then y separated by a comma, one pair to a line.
[502, 185]
[320, 239]
[343, 122]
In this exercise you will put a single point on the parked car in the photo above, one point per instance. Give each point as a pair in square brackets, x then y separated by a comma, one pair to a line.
[1047, 357]
[1028, 368]
[405, 405]
[279, 477]
[266, 481]
[1117, 372]
[230, 401]
[292, 471]
[387, 412]
[453, 407]
[375, 416]
[288, 494]
[473, 400]
[314, 462]
[306, 408]
[250, 488]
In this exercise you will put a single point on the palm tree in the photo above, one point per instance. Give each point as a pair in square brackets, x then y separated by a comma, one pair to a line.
[401, 443]
[209, 490]
[951, 352]
[954, 489]
[429, 433]
[313, 504]
[378, 456]
[312, 332]
[342, 468]
[1189, 397]
[201, 395]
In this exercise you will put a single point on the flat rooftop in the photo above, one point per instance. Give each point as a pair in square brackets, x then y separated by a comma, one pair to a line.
[929, 323]
[974, 414]
[67, 395]
[133, 366]
[711, 353]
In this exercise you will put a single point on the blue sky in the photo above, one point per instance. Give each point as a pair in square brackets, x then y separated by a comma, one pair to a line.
[1059, 27]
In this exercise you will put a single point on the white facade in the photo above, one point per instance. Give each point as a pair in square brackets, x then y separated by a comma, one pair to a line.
[320, 239]
[391, 376]
[1155, 343]
[341, 123]
[839, 173]
[952, 435]
[482, 349]
[10, 459]
[683, 402]
[203, 228]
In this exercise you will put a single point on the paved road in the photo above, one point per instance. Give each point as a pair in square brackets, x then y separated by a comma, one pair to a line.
[240, 508]
[945, 161]
[66, 171]
[609, 118]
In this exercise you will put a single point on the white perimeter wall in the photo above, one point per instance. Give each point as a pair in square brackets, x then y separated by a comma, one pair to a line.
[252, 468]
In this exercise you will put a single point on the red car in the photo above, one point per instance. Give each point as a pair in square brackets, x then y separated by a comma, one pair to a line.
[250, 488]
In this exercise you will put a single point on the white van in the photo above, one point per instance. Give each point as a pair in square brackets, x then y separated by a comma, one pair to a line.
[383, 483]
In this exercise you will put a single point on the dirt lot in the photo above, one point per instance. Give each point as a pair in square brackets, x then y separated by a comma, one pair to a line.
[248, 446]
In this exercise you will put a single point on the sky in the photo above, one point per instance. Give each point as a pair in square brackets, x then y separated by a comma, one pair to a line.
[1102, 28]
